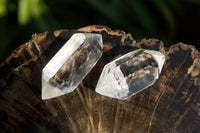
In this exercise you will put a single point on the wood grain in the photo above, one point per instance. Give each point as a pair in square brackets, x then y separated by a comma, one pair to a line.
[172, 104]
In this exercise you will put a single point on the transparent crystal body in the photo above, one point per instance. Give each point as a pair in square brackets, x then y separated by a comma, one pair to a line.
[130, 74]
[71, 64]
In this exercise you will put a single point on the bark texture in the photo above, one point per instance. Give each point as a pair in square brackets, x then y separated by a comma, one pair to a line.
[172, 104]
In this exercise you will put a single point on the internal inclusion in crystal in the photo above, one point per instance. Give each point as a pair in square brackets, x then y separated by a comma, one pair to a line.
[71, 64]
[130, 74]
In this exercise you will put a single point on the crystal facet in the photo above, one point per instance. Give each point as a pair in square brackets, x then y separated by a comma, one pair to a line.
[130, 73]
[71, 64]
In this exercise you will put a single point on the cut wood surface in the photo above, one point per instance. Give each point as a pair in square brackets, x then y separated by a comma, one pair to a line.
[172, 104]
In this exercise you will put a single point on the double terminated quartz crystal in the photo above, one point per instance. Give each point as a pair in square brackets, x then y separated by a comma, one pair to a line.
[71, 64]
[130, 74]
[120, 79]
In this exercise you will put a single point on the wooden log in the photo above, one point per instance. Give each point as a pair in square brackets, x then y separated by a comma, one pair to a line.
[172, 104]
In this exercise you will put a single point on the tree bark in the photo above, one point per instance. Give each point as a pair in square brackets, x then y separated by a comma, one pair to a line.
[172, 104]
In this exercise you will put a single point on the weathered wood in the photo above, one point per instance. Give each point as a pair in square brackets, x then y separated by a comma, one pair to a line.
[172, 104]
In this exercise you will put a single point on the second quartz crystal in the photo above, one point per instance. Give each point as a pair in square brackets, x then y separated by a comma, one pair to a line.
[130, 73]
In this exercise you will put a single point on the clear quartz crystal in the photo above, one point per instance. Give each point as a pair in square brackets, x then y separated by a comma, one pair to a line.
[71, 64]
[130, 74]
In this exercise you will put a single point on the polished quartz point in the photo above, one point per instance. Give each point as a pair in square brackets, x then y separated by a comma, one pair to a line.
[130, 74]
[71, 64]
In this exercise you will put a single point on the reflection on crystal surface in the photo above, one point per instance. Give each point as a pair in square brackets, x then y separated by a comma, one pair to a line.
[130, 73]
[71, 64]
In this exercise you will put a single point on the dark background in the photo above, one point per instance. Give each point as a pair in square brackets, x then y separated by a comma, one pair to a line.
[171, 21]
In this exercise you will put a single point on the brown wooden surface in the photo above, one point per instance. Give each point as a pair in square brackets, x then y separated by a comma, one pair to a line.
[172, 104]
